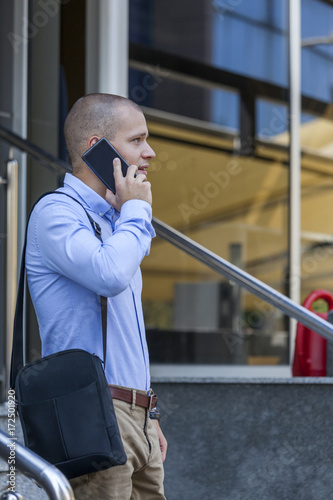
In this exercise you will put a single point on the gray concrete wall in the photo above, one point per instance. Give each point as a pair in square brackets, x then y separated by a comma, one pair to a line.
[228, 440]
[234, 440]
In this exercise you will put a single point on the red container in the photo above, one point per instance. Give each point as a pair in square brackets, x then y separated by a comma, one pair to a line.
[310, 347]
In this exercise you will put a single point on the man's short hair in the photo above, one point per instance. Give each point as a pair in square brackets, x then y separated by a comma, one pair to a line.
[93, 114]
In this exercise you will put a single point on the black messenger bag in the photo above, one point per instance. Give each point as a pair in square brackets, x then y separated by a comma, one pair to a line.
[64, 402]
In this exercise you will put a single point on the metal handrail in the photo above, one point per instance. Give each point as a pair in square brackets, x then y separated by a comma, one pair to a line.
[35, 152]
[212, 260]
[245, 280]
[31, 465]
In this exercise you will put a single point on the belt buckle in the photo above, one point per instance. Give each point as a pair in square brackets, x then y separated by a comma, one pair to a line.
[151, 396]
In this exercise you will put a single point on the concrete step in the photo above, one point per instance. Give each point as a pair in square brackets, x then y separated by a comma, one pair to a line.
[238, 439]
[247, 439]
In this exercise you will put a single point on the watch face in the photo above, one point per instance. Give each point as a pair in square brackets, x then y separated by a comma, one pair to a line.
[154, 415]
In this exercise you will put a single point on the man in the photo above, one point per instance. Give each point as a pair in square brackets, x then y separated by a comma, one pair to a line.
[68, 269]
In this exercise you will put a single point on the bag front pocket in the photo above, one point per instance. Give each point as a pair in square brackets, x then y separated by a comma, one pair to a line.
[41, 430]
[66, 427]
[82, 423]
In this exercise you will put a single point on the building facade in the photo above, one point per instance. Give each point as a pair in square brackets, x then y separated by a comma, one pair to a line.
[214, 80]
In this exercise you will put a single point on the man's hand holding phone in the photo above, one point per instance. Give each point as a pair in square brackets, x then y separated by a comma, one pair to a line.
[123, 182]
[132, 186]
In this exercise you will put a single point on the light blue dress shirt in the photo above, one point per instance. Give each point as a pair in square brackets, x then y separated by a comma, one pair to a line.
[68, 269]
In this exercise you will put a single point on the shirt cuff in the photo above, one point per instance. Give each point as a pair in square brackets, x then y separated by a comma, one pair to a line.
[136, 210]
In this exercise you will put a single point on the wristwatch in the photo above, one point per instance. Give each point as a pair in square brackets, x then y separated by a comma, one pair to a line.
[154, 414]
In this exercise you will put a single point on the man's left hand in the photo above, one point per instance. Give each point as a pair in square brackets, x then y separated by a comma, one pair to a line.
[161, 438]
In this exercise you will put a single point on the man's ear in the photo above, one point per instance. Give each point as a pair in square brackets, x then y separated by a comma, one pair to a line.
[93, 139]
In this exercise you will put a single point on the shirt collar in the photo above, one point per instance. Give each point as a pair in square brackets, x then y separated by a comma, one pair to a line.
[88, 196]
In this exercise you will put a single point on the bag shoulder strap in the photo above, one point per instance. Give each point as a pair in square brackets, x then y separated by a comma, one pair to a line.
[17, 349]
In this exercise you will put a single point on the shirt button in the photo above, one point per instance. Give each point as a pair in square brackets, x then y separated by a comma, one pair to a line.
[101, 214]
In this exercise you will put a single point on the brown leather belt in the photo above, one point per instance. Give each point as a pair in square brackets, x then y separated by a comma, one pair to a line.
[132, 396]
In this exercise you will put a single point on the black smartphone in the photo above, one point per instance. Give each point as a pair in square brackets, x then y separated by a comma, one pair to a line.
[100, 159]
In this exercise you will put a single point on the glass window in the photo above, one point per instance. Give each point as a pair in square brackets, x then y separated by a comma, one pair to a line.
[271, 119]
[317, 224]
[316, 139]
[249, 38]
[194, 316]
[158, 90]
[317, 57]
[236, 207]
[246, 37]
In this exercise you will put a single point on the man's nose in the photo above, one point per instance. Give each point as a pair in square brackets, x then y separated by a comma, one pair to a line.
[149, 152]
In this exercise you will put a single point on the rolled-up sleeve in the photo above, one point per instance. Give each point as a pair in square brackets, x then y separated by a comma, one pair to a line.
[62, 235]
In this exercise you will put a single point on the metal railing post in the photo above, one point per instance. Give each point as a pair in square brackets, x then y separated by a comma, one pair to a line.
[11, 256]
[294, 158]
[31, 465]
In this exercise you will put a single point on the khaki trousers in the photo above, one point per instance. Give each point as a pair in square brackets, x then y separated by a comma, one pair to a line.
[141, 478]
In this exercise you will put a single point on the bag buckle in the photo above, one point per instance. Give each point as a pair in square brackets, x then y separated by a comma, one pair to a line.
[97, 228]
